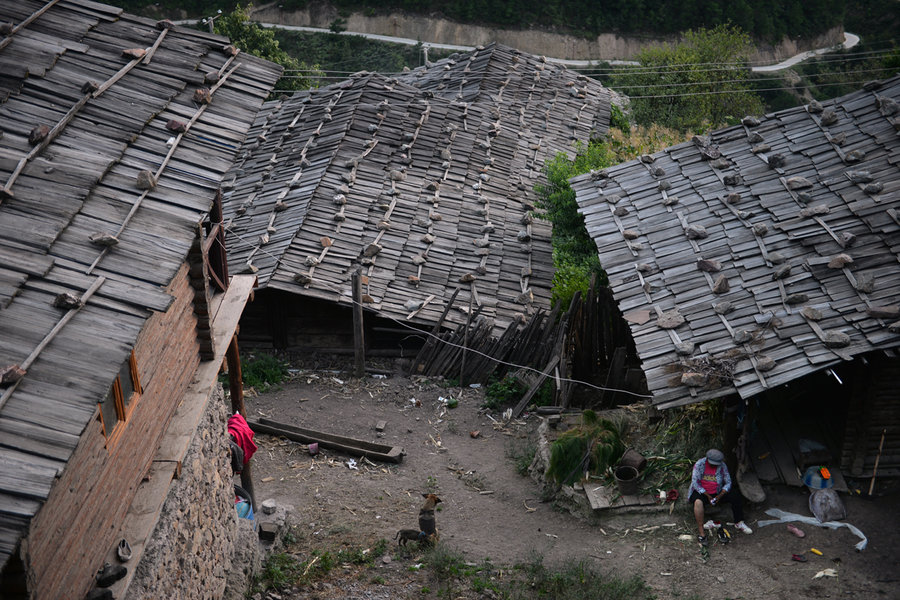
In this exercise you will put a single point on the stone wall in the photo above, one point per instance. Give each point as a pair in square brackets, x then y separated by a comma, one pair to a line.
[191, 552]
[80, 522]
[606, 46]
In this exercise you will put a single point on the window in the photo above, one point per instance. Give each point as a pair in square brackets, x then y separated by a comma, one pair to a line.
[119, 401]
[214, 247]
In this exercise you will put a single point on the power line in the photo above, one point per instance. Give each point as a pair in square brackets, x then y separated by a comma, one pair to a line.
[746, 91]
[648, 70]
[712, 82]
[440, 340]
[453, 92]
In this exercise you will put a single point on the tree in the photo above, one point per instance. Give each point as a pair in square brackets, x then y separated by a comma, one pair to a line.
[575, 256]
[699, 83]
[256, 40]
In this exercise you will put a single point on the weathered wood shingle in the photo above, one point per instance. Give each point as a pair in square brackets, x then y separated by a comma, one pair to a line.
[426, 191]
[80, 120]
[776, 242]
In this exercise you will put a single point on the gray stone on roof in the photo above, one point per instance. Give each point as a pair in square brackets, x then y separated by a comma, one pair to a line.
[779, 267]
[425, 191]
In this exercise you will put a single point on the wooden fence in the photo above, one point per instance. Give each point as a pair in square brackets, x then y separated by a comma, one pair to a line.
[590, 342]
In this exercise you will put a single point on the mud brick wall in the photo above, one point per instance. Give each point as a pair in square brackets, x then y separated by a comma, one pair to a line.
[81, 520]
[191, 551]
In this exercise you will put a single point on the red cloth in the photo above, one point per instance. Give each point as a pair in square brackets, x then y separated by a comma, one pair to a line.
[242, 434]
[708, 481]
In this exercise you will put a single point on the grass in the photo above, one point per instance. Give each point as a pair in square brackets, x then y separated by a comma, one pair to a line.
[572, 581]
[450, 569]
[279, 571]
[446, 573]
[522, 451]
[285, 569]
[530, 580]
[591, 446]
[263, 371]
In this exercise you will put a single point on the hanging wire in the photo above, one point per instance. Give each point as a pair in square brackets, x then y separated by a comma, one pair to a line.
[662, 69]
[438, 339]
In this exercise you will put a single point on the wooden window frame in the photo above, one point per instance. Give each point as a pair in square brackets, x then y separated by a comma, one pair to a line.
[123, 409]
[213, 247]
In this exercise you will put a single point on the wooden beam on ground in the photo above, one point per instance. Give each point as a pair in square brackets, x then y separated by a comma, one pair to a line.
[347, 445]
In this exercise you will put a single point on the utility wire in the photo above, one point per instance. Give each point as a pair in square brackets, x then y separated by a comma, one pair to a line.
[440, 340]
[654, 69]
[749, 90]
[455, 91]
[711, 82]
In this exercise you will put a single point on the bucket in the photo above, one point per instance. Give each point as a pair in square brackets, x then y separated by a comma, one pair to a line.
[627, 480]
[242, 503]
[633, 458]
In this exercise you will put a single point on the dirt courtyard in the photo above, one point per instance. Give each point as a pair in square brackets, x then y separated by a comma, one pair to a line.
[489, 511]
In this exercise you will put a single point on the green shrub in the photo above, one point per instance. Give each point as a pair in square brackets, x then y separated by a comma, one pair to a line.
[592, 446]
[262, 371]
[500, 393]
[279, 571]
[675, 86]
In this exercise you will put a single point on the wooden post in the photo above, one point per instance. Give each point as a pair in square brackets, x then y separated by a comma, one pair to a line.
[235, 385]
[462, 366]
[359, 345]
[236, 389]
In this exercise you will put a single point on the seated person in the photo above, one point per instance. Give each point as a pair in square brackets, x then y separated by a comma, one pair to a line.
[711, 484]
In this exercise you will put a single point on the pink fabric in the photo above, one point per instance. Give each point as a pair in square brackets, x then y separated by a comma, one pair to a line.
[243, 435]
[708, 480]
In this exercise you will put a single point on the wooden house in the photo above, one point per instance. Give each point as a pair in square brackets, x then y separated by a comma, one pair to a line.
[116, 307]
[759, 264]
[423, 183]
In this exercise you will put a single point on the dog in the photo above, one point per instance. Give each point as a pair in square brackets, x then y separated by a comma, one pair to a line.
[407, 535]
[428, 533]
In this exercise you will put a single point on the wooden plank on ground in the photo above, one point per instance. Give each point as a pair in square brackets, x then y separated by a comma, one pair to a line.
[598, 495]
[340, 443]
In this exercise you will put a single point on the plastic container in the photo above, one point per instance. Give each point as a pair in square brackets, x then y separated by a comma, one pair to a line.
[813, 479]
[243, 503]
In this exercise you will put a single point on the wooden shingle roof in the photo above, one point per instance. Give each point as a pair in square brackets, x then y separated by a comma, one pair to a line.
[761, 253]
[87, 92]
[544, 101]
[426, 193]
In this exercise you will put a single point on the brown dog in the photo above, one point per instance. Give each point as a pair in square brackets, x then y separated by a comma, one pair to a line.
[407, 535]
[426, 519]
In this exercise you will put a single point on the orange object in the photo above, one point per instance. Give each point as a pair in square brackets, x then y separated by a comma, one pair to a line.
[826, 474]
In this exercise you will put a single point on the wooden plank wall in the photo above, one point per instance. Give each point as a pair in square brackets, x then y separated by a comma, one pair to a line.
[874, 409]
[80, 521]
[591, 341]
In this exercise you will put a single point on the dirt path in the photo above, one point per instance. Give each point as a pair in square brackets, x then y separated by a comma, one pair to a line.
[490, 511]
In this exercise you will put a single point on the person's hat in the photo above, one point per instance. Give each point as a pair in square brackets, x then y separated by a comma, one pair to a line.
[715, 457]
